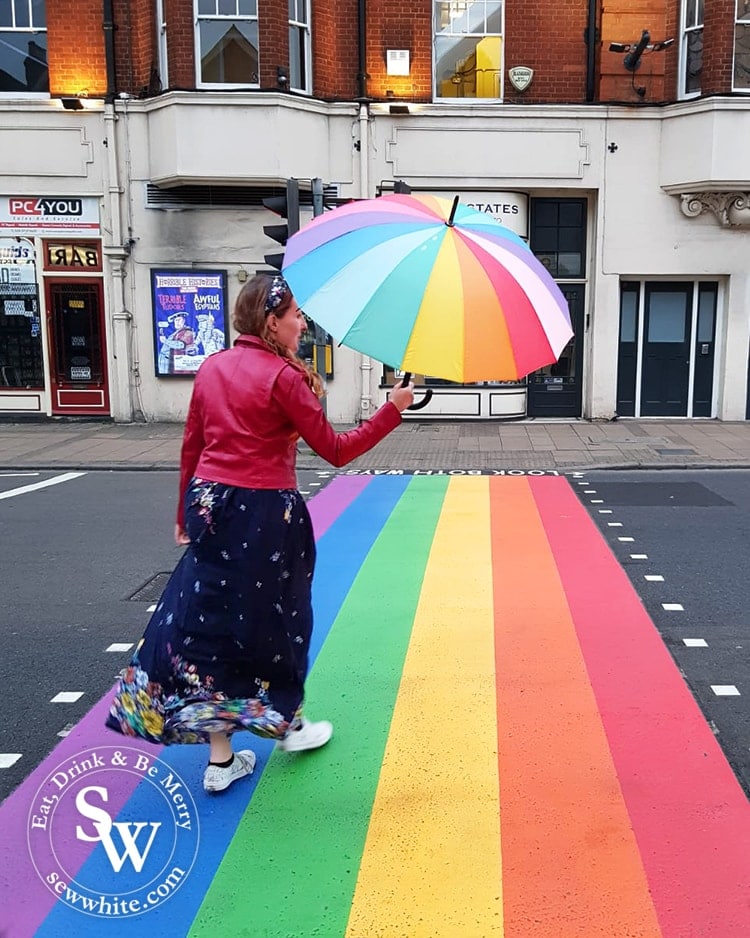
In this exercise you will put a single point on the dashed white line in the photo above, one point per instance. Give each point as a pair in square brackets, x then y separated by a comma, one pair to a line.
[597, 501]
[626, 540]
[673, 607]
[67, 696]
[605, 511]
[639, 556]
[152, 608]
[7, 759]
[614, 524]
[119, 646]
[695, 642]
[654, 578]
[725, 690]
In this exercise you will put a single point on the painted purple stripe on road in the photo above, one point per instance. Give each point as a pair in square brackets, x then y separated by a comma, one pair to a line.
[24, 900]
[333, 501]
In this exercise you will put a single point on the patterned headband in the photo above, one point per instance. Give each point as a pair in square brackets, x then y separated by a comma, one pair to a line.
[277, 293]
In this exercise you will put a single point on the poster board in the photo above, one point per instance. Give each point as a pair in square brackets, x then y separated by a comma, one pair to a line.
[190, 320]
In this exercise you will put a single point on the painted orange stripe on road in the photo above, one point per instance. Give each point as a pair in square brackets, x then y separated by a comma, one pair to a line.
[571, 866]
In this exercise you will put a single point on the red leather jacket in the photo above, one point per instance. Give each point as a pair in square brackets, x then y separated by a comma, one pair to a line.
[249, 407]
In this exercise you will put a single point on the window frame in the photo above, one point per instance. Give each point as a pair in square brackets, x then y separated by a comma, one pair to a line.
[162, 44]
[739, 21]
[199, 18]
[685, 32]
[304, 28]
[33, 30]
[436, 5]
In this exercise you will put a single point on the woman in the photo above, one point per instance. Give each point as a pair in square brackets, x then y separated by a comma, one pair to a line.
[227, 647]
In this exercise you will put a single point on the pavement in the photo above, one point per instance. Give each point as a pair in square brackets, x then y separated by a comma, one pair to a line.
[565, 446]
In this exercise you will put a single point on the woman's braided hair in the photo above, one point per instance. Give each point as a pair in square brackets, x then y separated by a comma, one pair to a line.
[263, 294]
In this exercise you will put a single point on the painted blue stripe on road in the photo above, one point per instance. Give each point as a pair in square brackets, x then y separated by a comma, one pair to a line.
[341, 552]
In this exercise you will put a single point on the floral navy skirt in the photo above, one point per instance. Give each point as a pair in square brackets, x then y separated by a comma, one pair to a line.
[227, 647]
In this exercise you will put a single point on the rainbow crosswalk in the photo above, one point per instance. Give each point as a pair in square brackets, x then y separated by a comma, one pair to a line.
[516, 754]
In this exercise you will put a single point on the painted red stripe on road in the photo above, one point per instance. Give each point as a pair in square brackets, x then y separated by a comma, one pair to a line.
[690, 816]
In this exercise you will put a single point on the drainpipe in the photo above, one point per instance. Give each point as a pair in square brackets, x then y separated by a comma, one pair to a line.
[591, 51]
[109, 48]
[366, 364]
[362, 48]
[113, 245]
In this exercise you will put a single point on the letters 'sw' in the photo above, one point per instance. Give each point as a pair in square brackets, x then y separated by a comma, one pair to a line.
[103, 824]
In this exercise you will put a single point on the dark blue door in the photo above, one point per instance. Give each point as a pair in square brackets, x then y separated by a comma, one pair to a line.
[666, 350]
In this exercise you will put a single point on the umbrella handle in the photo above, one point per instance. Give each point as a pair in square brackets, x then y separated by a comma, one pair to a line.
[427, 394]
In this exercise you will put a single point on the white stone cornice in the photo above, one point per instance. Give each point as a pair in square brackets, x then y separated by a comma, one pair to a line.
[731, 208]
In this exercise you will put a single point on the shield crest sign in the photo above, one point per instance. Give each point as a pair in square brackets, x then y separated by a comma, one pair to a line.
[520, 77]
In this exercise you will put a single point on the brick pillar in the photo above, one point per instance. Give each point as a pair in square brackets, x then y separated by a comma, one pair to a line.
[273, 40]
[135, 46]
[334, 46]
[75, 41]
[180, 43]
[402, 26]
[718, 47]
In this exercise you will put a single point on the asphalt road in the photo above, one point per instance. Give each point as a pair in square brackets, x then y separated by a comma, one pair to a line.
[74, 554]
[694, 528]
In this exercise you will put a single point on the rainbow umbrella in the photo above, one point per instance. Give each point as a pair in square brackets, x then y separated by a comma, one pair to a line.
[428, 286]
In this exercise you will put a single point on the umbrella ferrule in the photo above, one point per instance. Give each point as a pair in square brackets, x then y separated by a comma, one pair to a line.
[449, 223]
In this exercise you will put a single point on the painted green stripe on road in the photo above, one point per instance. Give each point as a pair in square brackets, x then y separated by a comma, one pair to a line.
[291, 868]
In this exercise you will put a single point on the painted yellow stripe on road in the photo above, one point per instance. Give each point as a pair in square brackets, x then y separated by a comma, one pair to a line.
[431, 867]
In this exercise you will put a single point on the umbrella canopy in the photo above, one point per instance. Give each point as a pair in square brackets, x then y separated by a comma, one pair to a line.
[428, 286]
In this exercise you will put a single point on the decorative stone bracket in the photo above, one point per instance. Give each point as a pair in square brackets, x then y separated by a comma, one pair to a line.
[731, 208]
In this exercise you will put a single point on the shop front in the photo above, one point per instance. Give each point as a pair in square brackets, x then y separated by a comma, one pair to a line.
[53, 342]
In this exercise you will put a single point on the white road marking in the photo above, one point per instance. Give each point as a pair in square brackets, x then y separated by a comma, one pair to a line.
[725, 690]
[672, 607]
[695, 642]
[614, 524]
[55, 480]
[7, 759]
[151, 608]
[605, 511]
[639, 556]
[654, 578]
[67, 696]
[13, 475]
[119, 646]
[66, 730]
[626, 540]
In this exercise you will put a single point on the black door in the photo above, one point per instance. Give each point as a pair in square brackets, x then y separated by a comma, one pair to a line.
[555, 391]
[705, 340]
[666, 349]
[627, 357]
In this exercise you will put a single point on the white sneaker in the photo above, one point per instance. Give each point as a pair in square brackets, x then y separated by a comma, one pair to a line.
[217, 778]
[308, 736]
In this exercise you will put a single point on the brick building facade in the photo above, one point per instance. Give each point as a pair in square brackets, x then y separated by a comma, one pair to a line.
[153, 129]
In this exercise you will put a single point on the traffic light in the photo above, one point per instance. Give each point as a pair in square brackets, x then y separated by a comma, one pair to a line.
[287, 206]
